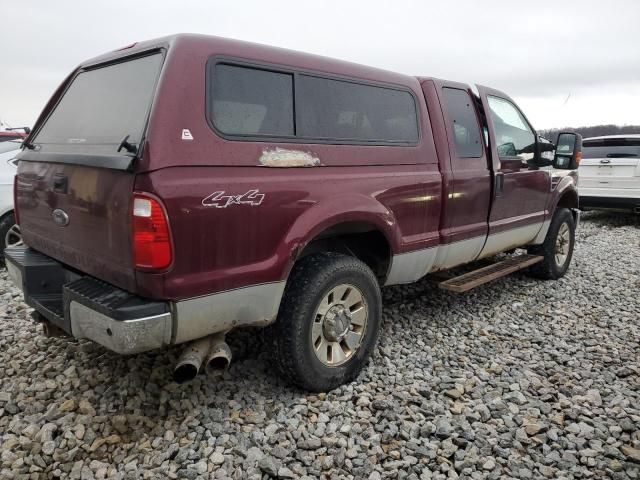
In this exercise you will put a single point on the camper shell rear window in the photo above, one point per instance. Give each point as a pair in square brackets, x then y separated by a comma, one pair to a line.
[101, 106]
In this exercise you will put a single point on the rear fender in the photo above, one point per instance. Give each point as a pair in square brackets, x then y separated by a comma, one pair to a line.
[335, 211]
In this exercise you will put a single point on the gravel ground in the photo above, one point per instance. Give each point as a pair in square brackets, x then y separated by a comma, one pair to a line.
[520, 378]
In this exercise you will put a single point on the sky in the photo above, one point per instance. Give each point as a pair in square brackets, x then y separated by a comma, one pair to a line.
[566, 63]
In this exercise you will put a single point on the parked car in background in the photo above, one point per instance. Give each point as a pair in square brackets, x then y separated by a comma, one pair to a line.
[8, 135]
[610, 173]
[308, 185]
[9, 231]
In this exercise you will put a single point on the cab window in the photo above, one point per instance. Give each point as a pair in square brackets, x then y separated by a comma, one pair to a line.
[463, 123]
[514, 137]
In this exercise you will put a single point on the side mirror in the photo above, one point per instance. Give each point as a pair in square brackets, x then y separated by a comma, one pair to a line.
[543, 154]
[568, 151]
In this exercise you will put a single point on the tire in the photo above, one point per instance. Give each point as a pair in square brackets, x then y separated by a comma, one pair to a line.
[305, 343]
[554, 266]
[6, 223]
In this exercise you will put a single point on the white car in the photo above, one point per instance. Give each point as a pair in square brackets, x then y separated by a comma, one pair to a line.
[610, 173]
[9, 231]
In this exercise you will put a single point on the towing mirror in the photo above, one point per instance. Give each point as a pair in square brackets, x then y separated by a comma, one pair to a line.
[568, 151]
[544, 154]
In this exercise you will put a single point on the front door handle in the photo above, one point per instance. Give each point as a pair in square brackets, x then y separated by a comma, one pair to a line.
[499, 184]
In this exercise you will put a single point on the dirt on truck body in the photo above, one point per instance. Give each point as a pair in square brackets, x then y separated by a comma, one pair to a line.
[182, 187]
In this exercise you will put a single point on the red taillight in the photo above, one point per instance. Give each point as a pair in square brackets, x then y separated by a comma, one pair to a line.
[151, 238]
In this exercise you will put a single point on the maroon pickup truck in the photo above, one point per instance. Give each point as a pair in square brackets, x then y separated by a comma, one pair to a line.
[179, 188]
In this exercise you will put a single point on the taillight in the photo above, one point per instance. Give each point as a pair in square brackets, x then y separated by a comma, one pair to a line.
[151, 238]
[578, 158]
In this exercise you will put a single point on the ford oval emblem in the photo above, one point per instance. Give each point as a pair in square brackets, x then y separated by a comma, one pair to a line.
[60, 217]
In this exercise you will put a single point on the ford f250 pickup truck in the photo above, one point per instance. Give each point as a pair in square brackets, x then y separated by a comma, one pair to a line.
[179, 188]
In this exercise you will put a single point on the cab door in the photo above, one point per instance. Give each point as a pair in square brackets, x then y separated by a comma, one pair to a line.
[520, 191]
[466, 196]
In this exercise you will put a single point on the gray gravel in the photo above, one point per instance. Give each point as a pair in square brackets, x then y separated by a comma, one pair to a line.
[520, 378]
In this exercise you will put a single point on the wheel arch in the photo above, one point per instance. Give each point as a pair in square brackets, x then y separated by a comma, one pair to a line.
[568, 198]
[355, 225]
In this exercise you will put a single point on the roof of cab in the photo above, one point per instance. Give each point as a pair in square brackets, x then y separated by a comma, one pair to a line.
[211, 45]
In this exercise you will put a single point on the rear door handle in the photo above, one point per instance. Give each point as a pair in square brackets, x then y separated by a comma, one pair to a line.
[499, 184]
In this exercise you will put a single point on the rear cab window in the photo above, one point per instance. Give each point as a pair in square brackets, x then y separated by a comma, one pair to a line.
[258, 103]
[463, 122]
[102, 106]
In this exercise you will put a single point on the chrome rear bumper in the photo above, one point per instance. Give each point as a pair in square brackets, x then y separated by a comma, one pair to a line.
[85, 307]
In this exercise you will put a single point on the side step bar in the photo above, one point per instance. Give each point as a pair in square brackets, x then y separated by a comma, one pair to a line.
[484, 275]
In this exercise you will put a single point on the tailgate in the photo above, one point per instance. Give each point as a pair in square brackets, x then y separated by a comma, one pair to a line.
[612, 172]
[610, 163]
[75, 178]
[80, 216]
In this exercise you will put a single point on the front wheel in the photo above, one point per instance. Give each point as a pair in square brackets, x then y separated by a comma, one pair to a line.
[557, 248]
[328, 322]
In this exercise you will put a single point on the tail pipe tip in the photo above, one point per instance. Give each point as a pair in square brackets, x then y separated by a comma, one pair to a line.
[218, 359]
[191, 360]
[212, 352]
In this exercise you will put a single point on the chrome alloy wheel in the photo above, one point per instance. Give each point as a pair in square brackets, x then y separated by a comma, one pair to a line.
[563, 242]
[13, 238]
[339, 325]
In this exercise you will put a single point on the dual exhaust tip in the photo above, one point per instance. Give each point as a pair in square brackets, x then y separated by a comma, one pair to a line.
[209, 353]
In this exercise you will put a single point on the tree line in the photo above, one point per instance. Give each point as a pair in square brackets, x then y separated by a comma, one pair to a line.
[594, 131]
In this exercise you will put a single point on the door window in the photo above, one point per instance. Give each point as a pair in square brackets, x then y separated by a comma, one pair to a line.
[514, 137]
[463, 122]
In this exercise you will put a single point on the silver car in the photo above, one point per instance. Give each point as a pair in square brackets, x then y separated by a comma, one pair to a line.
[9, 230]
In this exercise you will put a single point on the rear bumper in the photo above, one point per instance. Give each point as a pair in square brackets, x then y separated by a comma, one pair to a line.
[85, 307]
[607, 202]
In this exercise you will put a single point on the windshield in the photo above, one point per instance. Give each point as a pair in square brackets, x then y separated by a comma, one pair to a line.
[102, 106]
[611, 148]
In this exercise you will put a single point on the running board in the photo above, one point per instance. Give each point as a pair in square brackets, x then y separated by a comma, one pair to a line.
[484, 275]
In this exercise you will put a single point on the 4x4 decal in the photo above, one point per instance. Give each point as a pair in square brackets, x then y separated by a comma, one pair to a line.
[220, 200]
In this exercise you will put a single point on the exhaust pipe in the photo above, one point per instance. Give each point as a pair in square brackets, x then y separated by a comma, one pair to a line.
[49, 330]
[212, 351]
[191, 360]
[219, 356]
[637, 209]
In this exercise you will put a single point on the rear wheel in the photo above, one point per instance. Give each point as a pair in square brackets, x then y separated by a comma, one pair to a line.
[557, 248]
[9, 233]
[328, 322]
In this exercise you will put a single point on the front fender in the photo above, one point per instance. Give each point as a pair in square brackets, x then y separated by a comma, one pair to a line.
[564, 193]
[566, 185]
